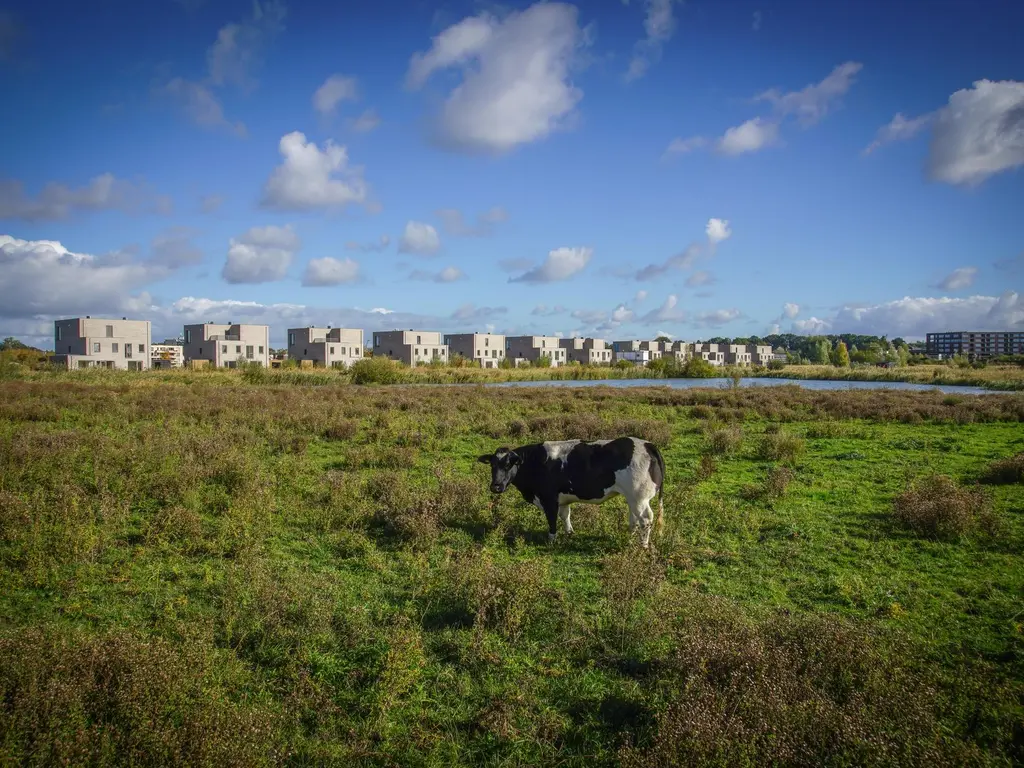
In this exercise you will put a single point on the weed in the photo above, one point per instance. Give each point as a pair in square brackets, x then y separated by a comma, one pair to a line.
[725, 441]
[706, 469]
[772, 488]
[936, 506]
[1005, 471]
[782, 447]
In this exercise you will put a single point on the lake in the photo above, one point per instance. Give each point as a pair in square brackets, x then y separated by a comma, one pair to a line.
[822, 384]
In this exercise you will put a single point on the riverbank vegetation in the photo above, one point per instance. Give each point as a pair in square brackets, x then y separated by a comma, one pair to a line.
[227, 569]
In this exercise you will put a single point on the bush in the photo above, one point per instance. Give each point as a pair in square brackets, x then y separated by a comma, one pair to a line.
[772, 488]
[936, 506]
[706, 469]
[1005, 471]
[776, 365]
[698, 368]
[376, 370]
[725, 441]
[781, 446]
[342, 429]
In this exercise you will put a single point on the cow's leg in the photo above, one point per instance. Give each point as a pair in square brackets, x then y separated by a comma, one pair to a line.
[550, 507]
[563, 512]
[646, 515]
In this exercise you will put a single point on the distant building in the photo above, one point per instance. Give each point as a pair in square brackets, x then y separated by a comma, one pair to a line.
[736, 354]
[225, 345]
[325, 347]
[487, 349]
[410, 347]
[532, 348]
[975, 345]
[656, 348]
[586, 351]
[95, 342]
[680, 350]
[760, 354]
[711, 353]
[631, 350]
[167, 355]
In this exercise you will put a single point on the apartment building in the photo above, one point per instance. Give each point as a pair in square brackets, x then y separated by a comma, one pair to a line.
[680, 350]
[166, 355]
[224, 345]
[736, 354]
[487, 349]
[711, 353]
[656, 348]
[531, 348]
[410, 347]
[95, 342]
[976, 345]
[760, 354]
[586, 351]
[325, 347]
[632, 351]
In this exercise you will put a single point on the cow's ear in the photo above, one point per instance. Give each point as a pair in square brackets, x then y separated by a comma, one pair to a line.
[514, 458]
[485, 459]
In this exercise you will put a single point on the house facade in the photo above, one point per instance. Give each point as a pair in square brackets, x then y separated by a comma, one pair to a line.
[532, 348]
[656, 348]
[410, 347]
[679, 350]
[325, 347]
[736, 354]
[226, 345]
[760, 354]
[95, 342]
[166, 355]
[710, 353]
[586, 351]
[486, 349]
[976, 345]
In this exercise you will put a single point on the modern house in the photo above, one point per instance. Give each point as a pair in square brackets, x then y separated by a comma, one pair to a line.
[224, 345]
[94, 342]
[736, 354]
[760, 354]
[680, 350]
[586, 351]
[487, 349]
[656, 348]
[711, 353]
[975, 345]
[532, 348]
[632, 351]
[410, 347]
[325, 347]
[166, 355]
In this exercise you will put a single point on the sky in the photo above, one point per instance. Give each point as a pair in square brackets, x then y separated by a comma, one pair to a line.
[609, 168]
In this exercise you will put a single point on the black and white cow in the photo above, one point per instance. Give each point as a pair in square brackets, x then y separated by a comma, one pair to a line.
[553, 475]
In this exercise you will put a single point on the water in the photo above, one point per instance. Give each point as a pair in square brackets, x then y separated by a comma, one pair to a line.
[820, 384]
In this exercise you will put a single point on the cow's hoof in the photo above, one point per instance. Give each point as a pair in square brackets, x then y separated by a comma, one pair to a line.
[552, 537]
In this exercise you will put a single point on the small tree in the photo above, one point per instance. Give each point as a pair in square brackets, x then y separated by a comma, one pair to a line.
[544, 361]
[842, 357]
[663, 338]
[821, 352]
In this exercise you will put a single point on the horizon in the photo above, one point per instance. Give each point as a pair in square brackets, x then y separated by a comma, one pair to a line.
[615, 170]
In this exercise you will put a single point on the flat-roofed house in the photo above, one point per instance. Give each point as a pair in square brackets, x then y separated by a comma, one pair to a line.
[631, 350]
[680, 350]
[736, 354]
[96, 342]
[325, 347]
[532, 348]
[166, 355]
[711, 353]
[586, 351]
[760, 354]
[487, 349]
[656, 348]
[225, 345]
[410, 347]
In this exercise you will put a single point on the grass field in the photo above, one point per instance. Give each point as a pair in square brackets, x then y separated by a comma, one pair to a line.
[205, 570]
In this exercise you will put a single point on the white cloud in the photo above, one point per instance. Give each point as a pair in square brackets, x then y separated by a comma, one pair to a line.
[751, 136]
[790, 310]
[622, 314]
[334, 90]
[811, 103]
[680, 146]
[515, 86]
[812, 326]
[261, 255]
[239, 47]
[700, 277]
[979, 133]
[330, 271]
[446, 275]
[311, 178]
[959, 279]
[42, 277]
[659, 26]
[211, 203]
[381, 311]
[683, 260]
[542, 310]
[59, 201]
[900, 128]
[640, 297]
[376, 247]
[717, 231]
[366, 122]
[419, 238]
[174, 248]
[455, 225]
[716, 318]
[560, 264]
[666, 313]
[201, 105]
[774, 329]
[915, 317]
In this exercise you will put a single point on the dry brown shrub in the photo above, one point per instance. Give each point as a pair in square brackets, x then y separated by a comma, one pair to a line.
[342, 429]
[1005, 471]
[725, 441]
[657, 432]
[781, 446]
[936, 506]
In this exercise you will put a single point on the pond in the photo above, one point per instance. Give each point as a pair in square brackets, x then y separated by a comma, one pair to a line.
[752, 382]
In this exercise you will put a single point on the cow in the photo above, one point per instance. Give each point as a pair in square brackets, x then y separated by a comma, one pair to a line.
[553, 475]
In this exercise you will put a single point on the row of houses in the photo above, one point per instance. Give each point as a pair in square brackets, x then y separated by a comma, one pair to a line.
[99, 342]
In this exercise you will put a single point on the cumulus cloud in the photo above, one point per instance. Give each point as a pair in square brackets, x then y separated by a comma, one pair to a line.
[790, 310]
[330, 271]
[659, 26]
[515, 265]
[716, 318]
[751, 136]
[560, 264]
[515, 86]
[382, 243]
[680, 146]
[174, 248]
[812, 326]
[311, 178]
[717, 231]
[446, 275]
[979, 133]
[900, 128]
[59, 201]
[419, 238]
[334, 90]
[959, 279]
[640, 296]
[700, 277]
[261, 255]
[201, 105]
[365, 122]
[668, 312]
[211, 203]
[239, 47]
[455, 225]
[813, 102]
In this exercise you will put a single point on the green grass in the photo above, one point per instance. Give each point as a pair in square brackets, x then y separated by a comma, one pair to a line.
[193, 573]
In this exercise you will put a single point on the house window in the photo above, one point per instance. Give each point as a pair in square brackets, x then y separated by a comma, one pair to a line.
[58, 333]
[238, 348]
[261, 350]
[418, 340]
[188, 337]
[291, 339]
[355, 351]
[332, 350]
[127, 350]
[96, 346]
[487, 342]
[142, 348]
[223, 349]
[110, 331]
[248, 352]
[113, 347]
[376, 341]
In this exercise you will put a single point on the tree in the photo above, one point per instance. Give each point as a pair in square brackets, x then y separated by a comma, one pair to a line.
[820, 352]
[663, 338]
[842, 356]
[12, 343]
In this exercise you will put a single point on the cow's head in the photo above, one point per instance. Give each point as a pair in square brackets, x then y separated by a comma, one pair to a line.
[504, 465]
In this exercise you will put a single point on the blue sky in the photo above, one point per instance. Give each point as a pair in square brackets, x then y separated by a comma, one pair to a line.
[607, 168]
